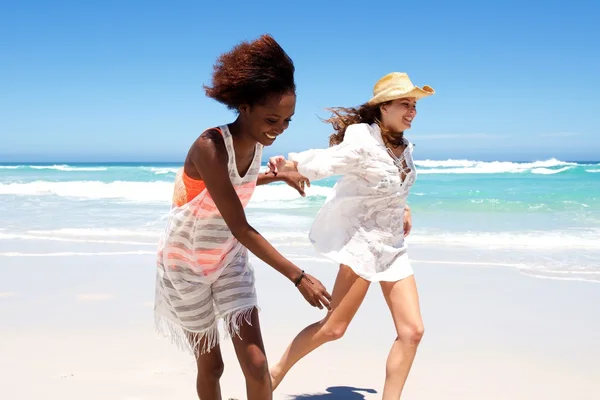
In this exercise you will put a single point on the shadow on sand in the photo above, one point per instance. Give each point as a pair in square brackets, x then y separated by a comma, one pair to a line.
[336, 393]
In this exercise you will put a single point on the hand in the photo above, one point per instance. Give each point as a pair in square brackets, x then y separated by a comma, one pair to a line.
[296, 180]
[314, 292]
[407, 222]
[275, 164]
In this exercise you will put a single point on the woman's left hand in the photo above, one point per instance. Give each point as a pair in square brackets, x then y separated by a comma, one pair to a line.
[407, 221]
[296, 180]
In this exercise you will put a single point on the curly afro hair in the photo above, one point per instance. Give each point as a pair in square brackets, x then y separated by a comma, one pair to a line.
[251, 72]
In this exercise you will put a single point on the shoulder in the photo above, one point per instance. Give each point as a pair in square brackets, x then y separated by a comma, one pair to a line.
[209, 142]
[207, 151]
[357, 129]
[361, 135]
[356, 133]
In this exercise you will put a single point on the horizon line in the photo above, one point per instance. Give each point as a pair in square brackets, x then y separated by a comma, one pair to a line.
[66, 162]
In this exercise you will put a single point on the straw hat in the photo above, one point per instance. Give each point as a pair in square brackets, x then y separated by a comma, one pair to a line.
[397, 85]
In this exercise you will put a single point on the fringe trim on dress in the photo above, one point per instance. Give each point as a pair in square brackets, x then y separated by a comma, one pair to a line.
[233, 320]
[198, 343]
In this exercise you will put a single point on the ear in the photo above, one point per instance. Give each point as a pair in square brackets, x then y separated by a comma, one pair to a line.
[244, 109]
[383, 108]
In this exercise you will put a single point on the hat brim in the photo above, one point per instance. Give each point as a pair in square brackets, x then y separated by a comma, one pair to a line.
[417, 92]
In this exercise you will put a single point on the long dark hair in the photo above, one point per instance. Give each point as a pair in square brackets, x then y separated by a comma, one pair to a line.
[343, 117]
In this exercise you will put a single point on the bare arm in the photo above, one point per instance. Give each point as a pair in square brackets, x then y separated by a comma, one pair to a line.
[291, 177]
[269, 177]
[209, 157]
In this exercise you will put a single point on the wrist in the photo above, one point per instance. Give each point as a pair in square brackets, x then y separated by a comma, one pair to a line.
[283, 175]
[295, 275]
[290, 165]
[298, 280]
[270, 177]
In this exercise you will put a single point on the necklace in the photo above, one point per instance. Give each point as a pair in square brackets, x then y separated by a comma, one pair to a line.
[395, 140]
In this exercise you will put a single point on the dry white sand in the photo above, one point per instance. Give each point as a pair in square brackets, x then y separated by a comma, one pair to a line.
[491, 333]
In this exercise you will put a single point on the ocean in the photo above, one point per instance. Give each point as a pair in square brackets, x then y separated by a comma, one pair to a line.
[541, 218]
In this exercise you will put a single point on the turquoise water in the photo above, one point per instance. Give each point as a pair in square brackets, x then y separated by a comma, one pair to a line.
[542, 217]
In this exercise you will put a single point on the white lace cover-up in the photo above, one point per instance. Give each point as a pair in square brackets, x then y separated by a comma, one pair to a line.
[203, 273]
[361, 222]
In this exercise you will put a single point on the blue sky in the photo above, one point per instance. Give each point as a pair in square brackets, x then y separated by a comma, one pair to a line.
[122, 80]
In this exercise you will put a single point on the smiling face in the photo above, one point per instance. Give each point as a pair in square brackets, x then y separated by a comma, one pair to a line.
[264, 122]
[397, 115]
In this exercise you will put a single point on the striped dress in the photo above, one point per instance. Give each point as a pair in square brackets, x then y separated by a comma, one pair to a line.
[203, 274]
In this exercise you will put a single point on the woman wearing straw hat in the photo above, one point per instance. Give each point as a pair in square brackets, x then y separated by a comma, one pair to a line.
[363, 224]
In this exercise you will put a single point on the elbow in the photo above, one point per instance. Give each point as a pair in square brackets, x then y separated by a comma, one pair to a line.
[242, 231]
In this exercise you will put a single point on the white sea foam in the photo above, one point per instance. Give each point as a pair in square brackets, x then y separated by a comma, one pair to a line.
[141, 192]
[29, 236]
[97, 232]
[163, 171]
[286, 193]
[297, 235]
[492, 167]
[77, 254]
[534, 271]
[445, 163]
[548, 171]
[68, 168]
[522, 240]
[528, 245]
[10, 166]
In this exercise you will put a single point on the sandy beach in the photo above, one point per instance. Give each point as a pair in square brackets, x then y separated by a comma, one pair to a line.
[102, 104]
[82, 327]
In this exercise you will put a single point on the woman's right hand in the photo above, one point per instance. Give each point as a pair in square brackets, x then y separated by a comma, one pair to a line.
[275, 164]
[278, 164]
[314, 292]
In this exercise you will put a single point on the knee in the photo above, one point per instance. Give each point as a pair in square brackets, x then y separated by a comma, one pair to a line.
[411, 333]
[333, 331]
[256, 366]
[212, 371]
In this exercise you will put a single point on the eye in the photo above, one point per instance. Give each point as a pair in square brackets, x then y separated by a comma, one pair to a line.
[271, 121]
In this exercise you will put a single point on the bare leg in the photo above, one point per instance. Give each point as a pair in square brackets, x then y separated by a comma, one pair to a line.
[250, 352]
[403, 300]
[210, 370]
[348, 293]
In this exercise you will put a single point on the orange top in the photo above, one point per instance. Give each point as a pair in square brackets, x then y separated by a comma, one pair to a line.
[186, 188]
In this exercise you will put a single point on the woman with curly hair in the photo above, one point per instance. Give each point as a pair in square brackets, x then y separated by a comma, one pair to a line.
[203, 273]
[362, 226]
